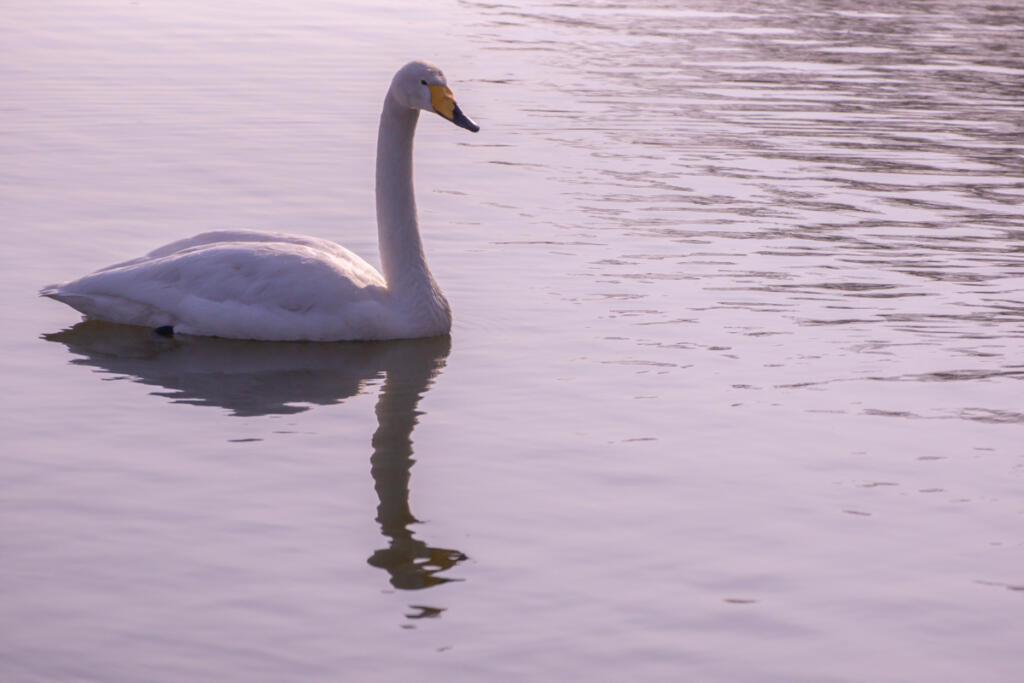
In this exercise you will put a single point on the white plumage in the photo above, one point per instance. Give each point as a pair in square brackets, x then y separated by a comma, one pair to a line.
[250, 285]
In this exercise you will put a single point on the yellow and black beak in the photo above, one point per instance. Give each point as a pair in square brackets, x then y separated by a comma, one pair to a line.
[444, 104]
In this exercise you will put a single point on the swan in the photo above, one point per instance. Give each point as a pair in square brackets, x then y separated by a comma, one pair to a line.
[244, 284]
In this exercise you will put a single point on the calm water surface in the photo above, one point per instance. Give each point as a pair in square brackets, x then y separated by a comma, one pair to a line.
[734, 390]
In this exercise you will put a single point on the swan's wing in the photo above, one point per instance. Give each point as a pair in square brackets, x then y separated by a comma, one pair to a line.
[257, 289]
[221, 237]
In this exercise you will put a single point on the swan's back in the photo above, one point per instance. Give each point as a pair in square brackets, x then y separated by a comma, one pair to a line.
[219, 237]
[239, 284]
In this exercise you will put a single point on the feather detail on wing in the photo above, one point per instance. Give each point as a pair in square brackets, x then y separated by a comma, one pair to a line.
[271, 286]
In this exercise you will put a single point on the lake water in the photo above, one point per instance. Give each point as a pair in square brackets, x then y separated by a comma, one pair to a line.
[734, 390]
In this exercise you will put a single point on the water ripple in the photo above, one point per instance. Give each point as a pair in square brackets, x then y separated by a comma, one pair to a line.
[831, 171]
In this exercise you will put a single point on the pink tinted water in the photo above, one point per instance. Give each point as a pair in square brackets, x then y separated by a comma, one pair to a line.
[734, 391]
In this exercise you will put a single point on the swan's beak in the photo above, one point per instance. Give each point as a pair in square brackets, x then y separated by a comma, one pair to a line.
[444, 104]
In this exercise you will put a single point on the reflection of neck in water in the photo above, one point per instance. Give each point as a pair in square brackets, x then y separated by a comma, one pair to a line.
[411, 562]
[265, 378]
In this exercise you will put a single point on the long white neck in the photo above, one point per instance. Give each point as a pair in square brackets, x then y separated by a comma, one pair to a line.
[398, 233]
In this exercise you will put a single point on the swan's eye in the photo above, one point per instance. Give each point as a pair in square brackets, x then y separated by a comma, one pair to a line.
[423, 82]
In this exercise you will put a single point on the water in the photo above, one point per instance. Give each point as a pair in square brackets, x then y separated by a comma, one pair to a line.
[733, 393]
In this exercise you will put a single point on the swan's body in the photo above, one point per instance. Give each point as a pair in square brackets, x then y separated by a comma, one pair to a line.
[251, 285]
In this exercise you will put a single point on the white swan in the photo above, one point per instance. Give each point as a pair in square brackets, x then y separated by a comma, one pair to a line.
[251, 285]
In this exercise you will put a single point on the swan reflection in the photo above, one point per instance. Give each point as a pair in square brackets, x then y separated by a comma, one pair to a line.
[264, 378]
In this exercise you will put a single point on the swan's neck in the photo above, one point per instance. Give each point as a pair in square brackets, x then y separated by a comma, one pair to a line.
[401, 250]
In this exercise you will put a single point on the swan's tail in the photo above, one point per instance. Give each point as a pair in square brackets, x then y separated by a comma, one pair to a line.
[113, 309]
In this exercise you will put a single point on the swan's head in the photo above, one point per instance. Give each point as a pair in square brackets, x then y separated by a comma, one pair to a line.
[421, 85]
